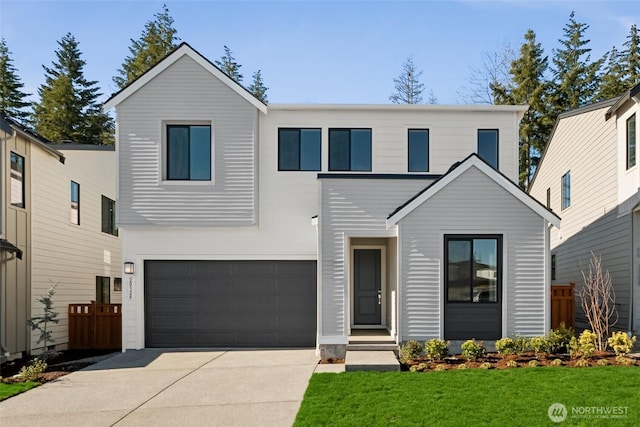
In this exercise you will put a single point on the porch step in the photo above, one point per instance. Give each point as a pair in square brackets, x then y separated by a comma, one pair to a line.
[372, 346]
[371, 361]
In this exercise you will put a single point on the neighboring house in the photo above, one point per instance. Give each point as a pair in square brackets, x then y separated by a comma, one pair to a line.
[589, 175]
[294, 225]
[57, 225]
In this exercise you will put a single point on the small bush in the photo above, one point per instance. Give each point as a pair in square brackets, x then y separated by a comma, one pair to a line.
[521, 344]
[420, 367]
[485, 365]
[584, 346]
[436, 349]
[625, 361]
[31, 371]
[410, 351]
[556, 362]
[512, 364]
[621, 343]
[506, 346]
[581, 363]
[473, 349]
[602, 362]
[559, 339]
[462, 367]
[440, 367]
[533, 363]
[539, 345]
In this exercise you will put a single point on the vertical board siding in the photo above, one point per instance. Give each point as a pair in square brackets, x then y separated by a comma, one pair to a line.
[186, 92]
[472, 204]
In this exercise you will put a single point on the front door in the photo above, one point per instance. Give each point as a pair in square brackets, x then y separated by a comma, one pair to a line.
[367, 298]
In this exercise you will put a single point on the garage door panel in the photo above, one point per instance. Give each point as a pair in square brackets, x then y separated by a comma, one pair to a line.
[230, 303]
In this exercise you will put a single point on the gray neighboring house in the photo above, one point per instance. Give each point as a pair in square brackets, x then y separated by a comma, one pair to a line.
[589, 175]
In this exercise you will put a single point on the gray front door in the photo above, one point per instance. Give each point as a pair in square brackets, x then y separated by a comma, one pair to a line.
[367, 286]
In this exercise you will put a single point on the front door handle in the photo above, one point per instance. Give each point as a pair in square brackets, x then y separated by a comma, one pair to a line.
[379, 297]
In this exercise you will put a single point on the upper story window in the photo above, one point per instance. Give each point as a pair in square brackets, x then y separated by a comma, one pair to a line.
[488, 146]
[109, 216]
[17, 180]
[189, 152]
[631, 141]
[418, 150]
[75, 203]
[350, 150]
[548, 198]
[299, 149]
[566, 190]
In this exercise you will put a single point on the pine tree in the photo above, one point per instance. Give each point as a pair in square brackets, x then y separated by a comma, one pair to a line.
[157, 41]
[68, 107]
[408, 86]
[257, 88]
[229, 66]
[528, 87]
[12, 99]
[575, 76]
[612, 83]
[630, 58]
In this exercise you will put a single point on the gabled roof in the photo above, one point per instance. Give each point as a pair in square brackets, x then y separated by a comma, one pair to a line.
[458, 169]
[180, 51]
[9, 123]
[633, 92]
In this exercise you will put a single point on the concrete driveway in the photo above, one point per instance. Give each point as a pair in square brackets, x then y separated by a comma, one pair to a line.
[172, 387]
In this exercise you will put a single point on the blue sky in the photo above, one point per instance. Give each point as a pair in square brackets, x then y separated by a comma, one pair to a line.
[312, 52]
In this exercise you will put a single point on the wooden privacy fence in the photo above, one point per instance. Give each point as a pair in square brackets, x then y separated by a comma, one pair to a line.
[563, 305]
[95, 326]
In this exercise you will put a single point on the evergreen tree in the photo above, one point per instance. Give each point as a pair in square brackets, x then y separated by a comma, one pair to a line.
[12, 99]
[229, 66]
[575, 76]
[68, 107]
[157, 41]
[630, 58]
[408, 86]
[257, 88]
[612, 81]
[528, 87]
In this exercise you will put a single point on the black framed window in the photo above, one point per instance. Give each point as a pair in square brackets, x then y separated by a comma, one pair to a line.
[299, 149]
[109, 216]
[117, 284]
[350, 150]
[548, 198]
[103, 293]
[566, 190]
[488, 146]
[631, 141]
[75, 203]
[17, 180]
[474, 268]
[189, 152]
[553, 266]
[418, 150]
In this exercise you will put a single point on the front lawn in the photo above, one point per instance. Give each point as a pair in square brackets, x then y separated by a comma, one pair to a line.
[518, 397]
[11, 389]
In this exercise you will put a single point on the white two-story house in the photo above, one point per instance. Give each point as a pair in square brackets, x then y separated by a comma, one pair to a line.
[247, 225]
[589, 175]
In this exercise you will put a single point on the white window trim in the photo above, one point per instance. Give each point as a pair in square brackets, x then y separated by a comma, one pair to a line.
[162, 178]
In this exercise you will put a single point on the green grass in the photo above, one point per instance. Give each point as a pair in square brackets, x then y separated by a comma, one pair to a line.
[511, 397]
[8, 390]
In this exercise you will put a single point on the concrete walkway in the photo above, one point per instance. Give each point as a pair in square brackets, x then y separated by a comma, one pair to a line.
[170, 388]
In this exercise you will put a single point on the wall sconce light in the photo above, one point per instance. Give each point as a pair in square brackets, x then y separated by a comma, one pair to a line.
[129, 267]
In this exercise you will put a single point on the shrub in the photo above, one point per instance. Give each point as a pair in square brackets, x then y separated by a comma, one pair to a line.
[436, 349]
[532, 363]
[621, 343]
[559, 339]
[462, 367]
[485, 365]
[539, 345]
[556, 362]
[505, 346]
[410, 351]
[602, 362]
[625, 361]
[521, 344]
[420, 367]
[512, 364]
[31, 371]
[473, 349]
[584, 346]
[581, 363]
[440, 367]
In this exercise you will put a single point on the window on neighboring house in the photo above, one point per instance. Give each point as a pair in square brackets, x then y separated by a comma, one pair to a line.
[488, 146]
[299, 149]
[17, 180]
[474, 268]
[103, 294]
[189, 152]
[75, 203]
[350, 150]
[109, 216]
[631, 141]
[548, 198]
[566, 190]
[553, 266]
[117, 284]
[418, 150]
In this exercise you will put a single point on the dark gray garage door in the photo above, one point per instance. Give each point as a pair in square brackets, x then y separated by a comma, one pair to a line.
[230, 303]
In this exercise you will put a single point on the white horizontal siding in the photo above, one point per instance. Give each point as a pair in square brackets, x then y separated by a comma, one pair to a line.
[472, 204]
[67, 254]
[186, 92]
